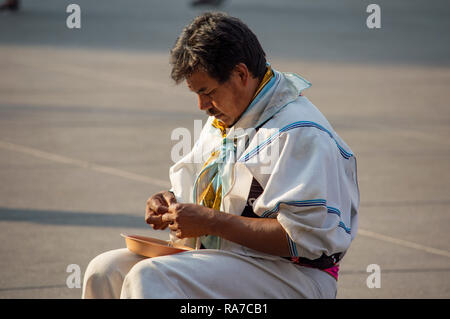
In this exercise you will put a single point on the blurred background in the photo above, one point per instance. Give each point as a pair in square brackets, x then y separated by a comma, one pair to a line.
[86, 117]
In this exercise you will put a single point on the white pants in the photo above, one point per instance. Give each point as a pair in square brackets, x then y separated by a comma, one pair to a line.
[204, 273]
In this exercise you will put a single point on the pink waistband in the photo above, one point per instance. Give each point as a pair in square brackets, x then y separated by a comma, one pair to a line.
[333, 271]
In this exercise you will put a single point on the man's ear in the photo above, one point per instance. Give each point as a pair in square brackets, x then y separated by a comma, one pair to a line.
[242, 72]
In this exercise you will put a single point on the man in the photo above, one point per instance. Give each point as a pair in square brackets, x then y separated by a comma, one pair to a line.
[269, 190]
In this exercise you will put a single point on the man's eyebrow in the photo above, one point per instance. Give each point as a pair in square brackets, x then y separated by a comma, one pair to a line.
[202, 90]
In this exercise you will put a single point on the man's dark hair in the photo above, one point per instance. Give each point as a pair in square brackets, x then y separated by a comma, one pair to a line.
[216, 42]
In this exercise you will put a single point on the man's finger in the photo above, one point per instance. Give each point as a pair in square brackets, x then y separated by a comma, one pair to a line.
[175, 208]
[153, 219]
[162, 209]
[178, 234]
[170, 198]
[148, 213]
[168, 218]
[163, 226]
[153, 202]
[158, 205]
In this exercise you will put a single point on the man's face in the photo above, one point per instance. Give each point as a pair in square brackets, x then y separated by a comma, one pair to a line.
[226, 101]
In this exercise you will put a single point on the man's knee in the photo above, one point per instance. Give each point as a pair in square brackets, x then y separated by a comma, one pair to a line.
[152, 278]
[101, 265]
[104, 272]
[138, 279]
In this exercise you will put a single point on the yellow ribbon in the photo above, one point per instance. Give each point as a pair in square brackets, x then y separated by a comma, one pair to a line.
[210, 197]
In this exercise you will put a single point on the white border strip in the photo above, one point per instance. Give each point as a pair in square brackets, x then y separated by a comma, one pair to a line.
[84, 164]
[404, 243]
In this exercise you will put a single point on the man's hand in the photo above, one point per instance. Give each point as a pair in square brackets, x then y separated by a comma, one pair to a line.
[189, 220]
[157, 205]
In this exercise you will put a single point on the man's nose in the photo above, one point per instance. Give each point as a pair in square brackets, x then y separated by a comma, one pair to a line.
[204, 102]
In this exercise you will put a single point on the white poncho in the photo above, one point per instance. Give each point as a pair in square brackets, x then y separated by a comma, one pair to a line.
[307, 171]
